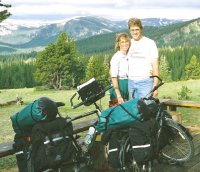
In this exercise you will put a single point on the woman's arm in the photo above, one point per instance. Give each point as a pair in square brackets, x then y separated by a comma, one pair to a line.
[117, 90]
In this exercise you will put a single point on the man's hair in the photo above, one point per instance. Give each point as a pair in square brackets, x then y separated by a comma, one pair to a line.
[135, 22]
[118, 38]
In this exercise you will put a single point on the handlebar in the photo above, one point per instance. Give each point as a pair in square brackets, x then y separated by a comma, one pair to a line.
[156, 86]
[160, 84]
[77, 105]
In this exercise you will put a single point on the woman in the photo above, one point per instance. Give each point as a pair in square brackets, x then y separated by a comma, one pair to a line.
[119, 70]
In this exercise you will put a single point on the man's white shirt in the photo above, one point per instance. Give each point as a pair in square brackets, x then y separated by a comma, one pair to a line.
[141, 56]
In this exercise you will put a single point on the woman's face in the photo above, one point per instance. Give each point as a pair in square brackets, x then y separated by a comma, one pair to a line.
[124, 44]
[136, 32]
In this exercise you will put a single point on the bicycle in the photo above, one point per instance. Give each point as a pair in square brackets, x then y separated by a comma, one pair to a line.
[52, 145]
[178, 147]
[89, 92]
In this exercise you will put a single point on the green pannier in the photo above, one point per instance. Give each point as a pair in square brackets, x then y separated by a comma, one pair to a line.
[41, 109]
[119, 116]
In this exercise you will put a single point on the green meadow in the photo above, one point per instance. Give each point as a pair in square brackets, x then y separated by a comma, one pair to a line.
[191, 117]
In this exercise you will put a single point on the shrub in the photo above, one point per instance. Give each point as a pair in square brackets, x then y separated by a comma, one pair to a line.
[183, 94]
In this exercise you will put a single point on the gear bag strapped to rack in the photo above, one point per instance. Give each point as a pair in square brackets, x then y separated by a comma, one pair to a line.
[41, 109]
[119, 116]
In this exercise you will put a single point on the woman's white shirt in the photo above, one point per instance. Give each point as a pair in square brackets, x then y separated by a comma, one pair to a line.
[119, 65]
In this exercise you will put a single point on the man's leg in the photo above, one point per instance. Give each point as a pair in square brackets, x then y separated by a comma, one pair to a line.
[144, 87]
[131, 89]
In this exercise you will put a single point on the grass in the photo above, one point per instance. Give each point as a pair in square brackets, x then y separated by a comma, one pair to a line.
[190, 117]
[29, 95]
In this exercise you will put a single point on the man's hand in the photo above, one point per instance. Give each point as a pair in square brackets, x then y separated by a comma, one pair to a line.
[155, 93]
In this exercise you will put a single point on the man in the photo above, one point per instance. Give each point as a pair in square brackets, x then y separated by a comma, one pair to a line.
[142, 62]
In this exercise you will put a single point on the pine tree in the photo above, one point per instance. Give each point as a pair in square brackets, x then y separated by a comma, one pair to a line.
[4, 14]
[164, 71]
[95, 68]
[106, 67]
[56, 65]
[192, 69]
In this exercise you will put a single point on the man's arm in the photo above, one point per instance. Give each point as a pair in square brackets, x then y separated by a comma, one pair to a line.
[155, 72]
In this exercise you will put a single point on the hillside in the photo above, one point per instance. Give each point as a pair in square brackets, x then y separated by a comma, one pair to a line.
[174, 35]
[179, 34]
[23, 37]
[97, 35]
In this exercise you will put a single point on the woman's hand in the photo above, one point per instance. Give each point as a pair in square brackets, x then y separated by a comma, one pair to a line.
[120, 100]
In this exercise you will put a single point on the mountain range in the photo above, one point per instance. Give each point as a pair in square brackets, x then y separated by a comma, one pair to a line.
[21, 37]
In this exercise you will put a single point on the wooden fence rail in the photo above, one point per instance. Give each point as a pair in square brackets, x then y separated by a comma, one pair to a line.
[173, 104]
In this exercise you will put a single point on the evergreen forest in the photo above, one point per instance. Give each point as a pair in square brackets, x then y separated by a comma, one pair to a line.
[62, 65]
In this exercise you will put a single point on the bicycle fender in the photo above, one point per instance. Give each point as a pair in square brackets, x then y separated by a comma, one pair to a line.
[186, 131]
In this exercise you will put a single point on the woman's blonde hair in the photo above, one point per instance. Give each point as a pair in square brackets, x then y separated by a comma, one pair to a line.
[118, 38]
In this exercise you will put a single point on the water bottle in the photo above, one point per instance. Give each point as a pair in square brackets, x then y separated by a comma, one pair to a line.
[89, 136]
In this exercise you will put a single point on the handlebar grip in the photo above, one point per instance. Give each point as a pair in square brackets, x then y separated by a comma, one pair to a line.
[155, 76]
[157, 86]
[58, 104]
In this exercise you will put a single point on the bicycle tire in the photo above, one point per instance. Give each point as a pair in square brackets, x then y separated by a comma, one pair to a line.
[180, 147]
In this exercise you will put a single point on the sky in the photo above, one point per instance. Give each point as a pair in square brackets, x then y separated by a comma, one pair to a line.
[50, 10]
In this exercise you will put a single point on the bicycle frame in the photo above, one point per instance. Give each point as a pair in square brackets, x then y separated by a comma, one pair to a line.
[81, 155]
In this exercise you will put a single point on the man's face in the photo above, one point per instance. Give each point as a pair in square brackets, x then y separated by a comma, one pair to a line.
[136, 32]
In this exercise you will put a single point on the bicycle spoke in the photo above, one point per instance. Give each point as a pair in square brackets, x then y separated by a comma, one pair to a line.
[180, 147]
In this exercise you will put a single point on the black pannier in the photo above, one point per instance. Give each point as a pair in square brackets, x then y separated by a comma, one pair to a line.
[114, 147]
[115, 141]
[51, 144]
[143, 140]
[22, 146]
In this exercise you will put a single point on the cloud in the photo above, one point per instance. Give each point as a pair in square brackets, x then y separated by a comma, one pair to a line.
[119, 3]
[112, 9]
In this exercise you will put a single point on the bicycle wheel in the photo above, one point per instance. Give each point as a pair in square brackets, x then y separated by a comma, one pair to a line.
[180, 147]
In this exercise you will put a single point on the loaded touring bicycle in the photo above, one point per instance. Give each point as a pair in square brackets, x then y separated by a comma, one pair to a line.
[152, 135]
